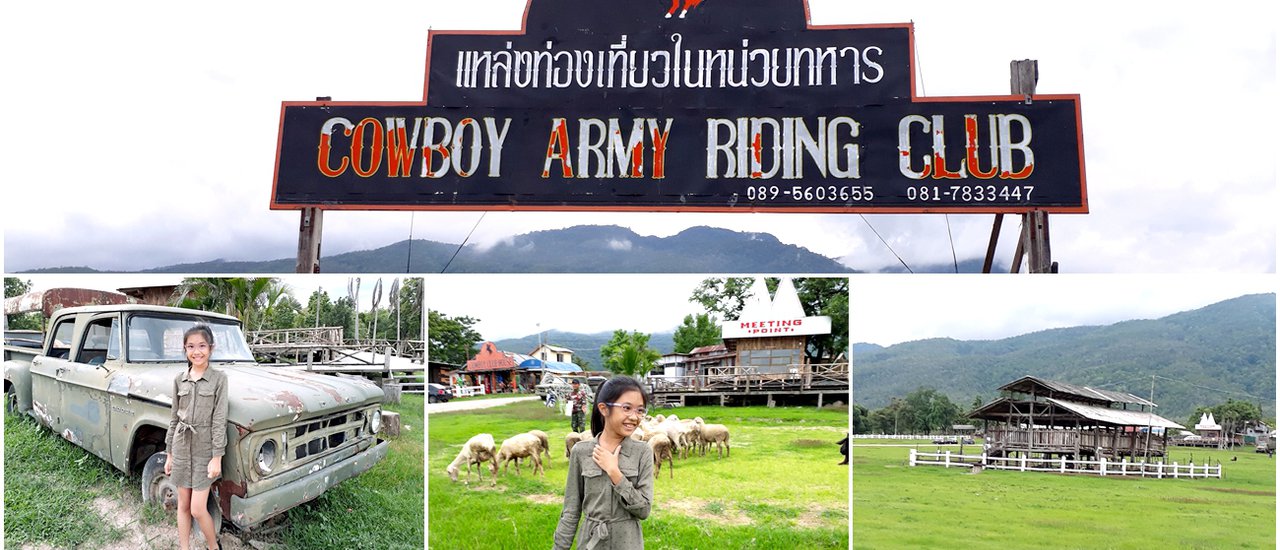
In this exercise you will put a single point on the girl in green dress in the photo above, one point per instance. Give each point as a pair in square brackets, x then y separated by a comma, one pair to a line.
[610, 481]
[197, 436]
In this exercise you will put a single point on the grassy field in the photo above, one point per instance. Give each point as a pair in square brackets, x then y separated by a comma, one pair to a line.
[780, 488]
[59, 495]
[897, 506]
[381, 508]
[50, 486]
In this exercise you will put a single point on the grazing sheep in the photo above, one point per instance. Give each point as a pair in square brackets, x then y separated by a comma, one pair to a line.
[524, 445]
[661, 447]
[546, 443]
[715, 433]
[477, 450]
[572, 439]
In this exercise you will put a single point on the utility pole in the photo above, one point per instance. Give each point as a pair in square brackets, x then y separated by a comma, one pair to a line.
[1146, 452]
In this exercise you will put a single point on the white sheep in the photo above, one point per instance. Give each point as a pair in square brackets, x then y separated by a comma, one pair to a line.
[524, 445]
[572, 439]
[714, 433]
[661, 447]
[546, 443]
[477, 450]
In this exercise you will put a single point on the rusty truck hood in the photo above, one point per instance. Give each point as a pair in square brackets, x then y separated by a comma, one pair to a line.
[259, 397]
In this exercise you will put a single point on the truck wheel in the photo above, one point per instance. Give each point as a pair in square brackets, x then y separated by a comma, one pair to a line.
[158, 488]
[11, 401]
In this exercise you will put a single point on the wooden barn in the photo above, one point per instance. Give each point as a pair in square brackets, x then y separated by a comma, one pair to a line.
[1041, 418]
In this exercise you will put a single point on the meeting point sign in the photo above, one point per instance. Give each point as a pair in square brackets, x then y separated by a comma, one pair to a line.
[710, 106]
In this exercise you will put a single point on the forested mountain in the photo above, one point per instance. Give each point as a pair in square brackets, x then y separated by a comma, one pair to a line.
[585, 346]
[1230, 345]
[578, 249]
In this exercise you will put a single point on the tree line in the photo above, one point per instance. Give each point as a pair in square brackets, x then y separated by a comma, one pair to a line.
[265, 303]
[927, 411]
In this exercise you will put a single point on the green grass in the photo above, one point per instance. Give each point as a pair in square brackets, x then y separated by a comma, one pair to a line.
[49, 487]
[775, 490]
[897, 506]
[381, 508]
[492, 396]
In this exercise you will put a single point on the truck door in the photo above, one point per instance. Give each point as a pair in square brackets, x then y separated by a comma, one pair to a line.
[47, 368]
[86, 405]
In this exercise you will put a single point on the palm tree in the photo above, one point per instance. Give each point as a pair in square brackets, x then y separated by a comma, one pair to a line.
[250, 299]
[633, 360]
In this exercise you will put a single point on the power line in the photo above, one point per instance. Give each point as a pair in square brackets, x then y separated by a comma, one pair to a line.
[954, 261]
[408, 260]
[1211, 389]
[464, 242]
[886, 243]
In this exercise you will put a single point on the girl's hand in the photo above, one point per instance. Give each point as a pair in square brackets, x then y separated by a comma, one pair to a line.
[168, 465]
[608, 461]
[215, 467]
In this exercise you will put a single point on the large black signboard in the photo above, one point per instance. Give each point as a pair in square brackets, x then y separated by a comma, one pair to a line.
[728, 106]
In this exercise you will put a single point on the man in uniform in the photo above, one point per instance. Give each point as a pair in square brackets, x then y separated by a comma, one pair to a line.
[577, 404]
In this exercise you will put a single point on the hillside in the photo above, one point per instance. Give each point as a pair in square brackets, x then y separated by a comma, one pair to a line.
[1230, 345]
[586, 346]
[578, 249]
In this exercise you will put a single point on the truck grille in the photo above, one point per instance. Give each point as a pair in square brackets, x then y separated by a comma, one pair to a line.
[318, 436]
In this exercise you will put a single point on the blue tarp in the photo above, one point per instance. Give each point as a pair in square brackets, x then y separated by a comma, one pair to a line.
[534, 364]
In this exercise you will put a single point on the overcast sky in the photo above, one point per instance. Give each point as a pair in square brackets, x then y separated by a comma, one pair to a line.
[513, 306]
[130, 126]
[888, 310]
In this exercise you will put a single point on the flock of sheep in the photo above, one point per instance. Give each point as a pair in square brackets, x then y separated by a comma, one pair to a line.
[667, 436]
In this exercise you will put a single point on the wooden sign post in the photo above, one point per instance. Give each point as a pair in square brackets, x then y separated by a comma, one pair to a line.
[1034, 239]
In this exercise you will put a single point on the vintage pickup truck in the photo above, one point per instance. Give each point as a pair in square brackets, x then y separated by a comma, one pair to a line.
[104, 378]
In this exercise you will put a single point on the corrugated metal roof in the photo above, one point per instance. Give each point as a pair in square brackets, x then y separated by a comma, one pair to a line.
[708, 349]
[1085, 392]
[1116, 416]
[558, 366]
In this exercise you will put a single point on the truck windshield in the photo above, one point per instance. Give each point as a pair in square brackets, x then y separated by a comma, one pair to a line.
[159, 339]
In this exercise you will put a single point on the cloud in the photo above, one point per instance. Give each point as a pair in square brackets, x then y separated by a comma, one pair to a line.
[621, 245]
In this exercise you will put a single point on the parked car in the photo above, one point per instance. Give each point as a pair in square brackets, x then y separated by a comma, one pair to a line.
[438, 393]
[103, 379]
[558, 383]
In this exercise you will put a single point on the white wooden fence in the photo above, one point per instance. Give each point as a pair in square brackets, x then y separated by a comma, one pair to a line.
[467, 391]
[893, 436]
[1102, 467]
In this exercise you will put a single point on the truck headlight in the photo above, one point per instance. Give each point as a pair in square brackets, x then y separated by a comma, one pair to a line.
[375, 421]
[266, 456]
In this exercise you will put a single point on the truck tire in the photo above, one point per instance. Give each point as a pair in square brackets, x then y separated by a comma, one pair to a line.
[157, 488]
[10, 401]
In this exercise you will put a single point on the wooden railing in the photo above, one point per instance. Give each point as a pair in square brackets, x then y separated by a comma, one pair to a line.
[748, 378]
[1101, 467]
[296, 337]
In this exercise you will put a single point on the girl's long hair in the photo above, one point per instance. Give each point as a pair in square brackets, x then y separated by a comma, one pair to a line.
[203, 330]
[609, 392]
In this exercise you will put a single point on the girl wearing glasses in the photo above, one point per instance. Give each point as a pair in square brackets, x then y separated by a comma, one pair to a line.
[610, 482]
[197, 436]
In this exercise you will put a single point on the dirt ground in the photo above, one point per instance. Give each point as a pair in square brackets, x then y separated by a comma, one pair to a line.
[125, 513]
